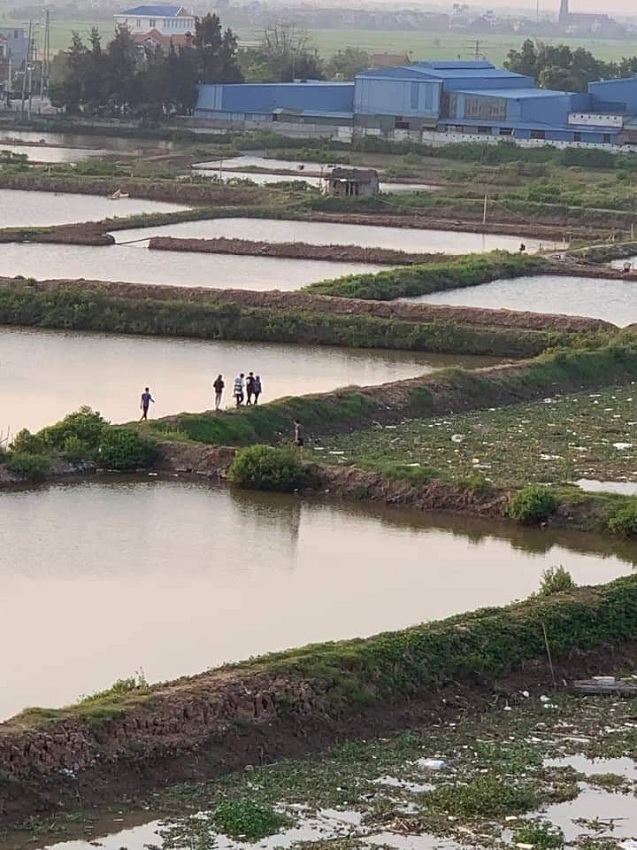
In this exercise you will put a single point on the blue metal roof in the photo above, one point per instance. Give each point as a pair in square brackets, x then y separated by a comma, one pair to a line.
[156, 11]
[445, 71]
[514, 94]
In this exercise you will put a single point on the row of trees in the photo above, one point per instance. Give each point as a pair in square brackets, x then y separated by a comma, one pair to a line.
[559, 67]
[122, 78]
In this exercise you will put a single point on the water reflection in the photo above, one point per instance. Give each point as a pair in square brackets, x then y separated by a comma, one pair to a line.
[175, 578]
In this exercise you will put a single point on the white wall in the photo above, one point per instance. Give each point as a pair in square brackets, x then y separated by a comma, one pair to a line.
[166, 26]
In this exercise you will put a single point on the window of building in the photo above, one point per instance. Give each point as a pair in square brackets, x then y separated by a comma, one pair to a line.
[577, 137]
[16, 33]
[506, 131]
[538, 134]
[429, 97]
[492, 108]
[152, 23]
[484, 131]
[138, 22]
[399, 124]
[607, 138]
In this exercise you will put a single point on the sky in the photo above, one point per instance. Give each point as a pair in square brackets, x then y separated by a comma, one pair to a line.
[627, 8]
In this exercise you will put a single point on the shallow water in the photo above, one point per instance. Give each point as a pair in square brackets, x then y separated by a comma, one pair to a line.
[176, 577]
[46, 374]
[262, 179]
[624, 488]
[328, 233]
[135, 264]
[625, 767]
[612, 300]
[40, 209]
[75, 140]
[45, 153]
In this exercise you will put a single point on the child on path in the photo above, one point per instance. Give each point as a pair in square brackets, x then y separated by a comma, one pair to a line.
[145, 403]
[218, 385]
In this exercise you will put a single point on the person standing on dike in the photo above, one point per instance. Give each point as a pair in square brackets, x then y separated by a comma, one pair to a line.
[218, 385]
[256, 388]
[144, 403]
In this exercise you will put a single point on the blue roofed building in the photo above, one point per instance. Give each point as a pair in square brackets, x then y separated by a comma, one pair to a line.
[166, 21]
[436, 102]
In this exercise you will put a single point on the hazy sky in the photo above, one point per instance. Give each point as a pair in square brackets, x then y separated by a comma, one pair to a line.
[574, 5]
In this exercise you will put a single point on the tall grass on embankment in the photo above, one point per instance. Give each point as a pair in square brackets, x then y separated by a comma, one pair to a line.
[452, 273]
[433, 395]
[286, 317]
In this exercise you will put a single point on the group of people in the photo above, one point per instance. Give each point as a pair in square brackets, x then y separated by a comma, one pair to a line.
[244, 389]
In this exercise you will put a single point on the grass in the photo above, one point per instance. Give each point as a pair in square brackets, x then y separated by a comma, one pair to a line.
[561, 439]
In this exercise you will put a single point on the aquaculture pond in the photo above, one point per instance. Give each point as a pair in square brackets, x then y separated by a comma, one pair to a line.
[40, 209]
[134, 264]
[48, 153]
[328, 233]
[612, 300]
[74, 141]
[46, 374]
[173, 578]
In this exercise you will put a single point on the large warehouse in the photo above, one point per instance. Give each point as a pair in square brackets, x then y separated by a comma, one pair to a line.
[454, 98]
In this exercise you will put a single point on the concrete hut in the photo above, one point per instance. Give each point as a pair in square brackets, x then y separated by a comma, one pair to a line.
[353, 182]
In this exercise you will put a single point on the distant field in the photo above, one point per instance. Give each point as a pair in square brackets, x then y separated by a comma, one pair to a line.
[417, 45]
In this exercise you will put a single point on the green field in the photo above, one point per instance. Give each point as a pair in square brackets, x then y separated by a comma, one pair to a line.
[417, 45]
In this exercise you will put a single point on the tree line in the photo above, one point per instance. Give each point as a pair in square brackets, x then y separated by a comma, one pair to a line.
[125, 78]
[556, 66]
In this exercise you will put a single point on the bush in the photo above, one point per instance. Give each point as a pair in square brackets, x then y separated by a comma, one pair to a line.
[624, 521]
[85, 424]
[27, 443]
[244, 819]
[30, 467]
[556, 580]
[121, 448]
[269, 468]
[540, 834]
[533, 504]
[75, 450]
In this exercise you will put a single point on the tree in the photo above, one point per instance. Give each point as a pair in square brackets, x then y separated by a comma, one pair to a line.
[216, 52]
[289, 54]
[346, 64]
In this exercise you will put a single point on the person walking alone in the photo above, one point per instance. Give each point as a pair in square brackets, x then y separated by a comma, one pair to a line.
[249, 387]
[239, 384]
[218, 385]
[145, 402]
[256, 389]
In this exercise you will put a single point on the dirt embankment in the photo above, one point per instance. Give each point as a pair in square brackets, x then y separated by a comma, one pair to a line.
[277, 300]
[172, 191]
[292, 250]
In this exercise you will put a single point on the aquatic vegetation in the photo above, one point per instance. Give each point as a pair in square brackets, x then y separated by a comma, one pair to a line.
[33, 468]
[624, 521]
[269, 468]
[555, 580]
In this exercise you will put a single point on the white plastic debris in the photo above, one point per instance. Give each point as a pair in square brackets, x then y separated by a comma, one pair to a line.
[457, 438]
[545, 699]
[526, 694]
[432, 764]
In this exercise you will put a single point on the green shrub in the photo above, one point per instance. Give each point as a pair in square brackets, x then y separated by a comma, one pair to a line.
[624, 521]
[487, 796]
[244, 819]
[556, 580]
[122, 448]
[269, 468]
[75, 450]
[85, 424]
[30, 467]
[25, 442]
[533, 504]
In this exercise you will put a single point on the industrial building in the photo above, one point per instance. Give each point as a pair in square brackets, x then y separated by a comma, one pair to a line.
[436, 102]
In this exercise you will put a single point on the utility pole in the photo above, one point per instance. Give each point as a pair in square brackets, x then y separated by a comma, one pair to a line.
[46, 51]
[27, 62]
[484, 211]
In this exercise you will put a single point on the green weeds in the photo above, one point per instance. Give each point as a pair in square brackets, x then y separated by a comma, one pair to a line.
[533, 504]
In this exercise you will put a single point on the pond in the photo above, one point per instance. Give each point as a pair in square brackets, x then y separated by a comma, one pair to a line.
[135, 264]
[46, 153]
[46, 374]
[41, 209]
[174, 577]
[262, 179]
[97, 143]
[327, 233]
[612, 300]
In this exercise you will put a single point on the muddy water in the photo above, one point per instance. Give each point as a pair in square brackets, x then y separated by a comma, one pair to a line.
[174, 578]
[327, 233]
[137, 265]
[40, 209]
[73, 140]
[46, 374]
[612, 300]
[45, 153]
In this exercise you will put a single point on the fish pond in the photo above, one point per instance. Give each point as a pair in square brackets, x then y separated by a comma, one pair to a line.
[172, 577]
[612, 300]
[46, 374]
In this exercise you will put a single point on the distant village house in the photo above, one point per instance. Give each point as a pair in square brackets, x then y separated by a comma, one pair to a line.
[157, 25]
